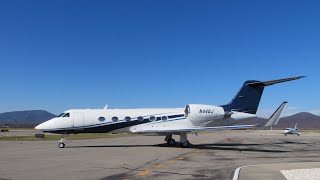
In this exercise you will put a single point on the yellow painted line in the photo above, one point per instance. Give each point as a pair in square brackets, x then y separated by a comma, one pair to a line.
[159, 166]
[180, 158]
[171, 161]
[143, 173]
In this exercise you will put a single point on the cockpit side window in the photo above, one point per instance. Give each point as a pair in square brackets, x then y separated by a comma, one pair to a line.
[60, 115]
[66, 115]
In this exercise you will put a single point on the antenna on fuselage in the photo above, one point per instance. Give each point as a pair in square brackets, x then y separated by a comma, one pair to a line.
[106, 106]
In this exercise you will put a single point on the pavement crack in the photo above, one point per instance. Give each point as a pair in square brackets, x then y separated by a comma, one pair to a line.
[140, 167]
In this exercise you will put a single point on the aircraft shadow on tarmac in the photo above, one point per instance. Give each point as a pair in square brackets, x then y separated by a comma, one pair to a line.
[235, 147]
[216, 146]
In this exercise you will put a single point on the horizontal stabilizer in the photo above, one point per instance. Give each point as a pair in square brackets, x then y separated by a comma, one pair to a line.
[268, 83]
[273, 120]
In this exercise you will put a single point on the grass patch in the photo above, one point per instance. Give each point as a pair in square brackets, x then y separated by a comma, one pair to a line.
[12, 128]
[58, 137]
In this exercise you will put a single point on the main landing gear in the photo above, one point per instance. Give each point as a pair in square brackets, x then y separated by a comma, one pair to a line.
[61, 143]
[184, 143]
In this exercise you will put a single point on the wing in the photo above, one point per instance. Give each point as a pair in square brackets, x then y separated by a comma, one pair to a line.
[198, 129]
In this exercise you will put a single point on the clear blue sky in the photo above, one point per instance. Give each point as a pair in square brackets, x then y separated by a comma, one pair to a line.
[57, 55]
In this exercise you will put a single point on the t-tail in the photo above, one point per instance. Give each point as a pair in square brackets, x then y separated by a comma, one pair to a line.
[248, 98]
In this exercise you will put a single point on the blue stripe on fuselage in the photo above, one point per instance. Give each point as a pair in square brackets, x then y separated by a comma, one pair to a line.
[109, 126]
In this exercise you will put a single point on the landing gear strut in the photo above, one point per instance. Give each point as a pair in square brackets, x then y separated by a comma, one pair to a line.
[61, 143]
[170, 140]
[184, 143]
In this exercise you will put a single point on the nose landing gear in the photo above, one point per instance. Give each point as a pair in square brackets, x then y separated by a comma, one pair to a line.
[61, 143]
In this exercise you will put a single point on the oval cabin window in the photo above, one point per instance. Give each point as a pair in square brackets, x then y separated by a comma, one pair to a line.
[115, 119]
[152, 118]
[164, 118]
[127, 118]
[101, 119]
[140, 118]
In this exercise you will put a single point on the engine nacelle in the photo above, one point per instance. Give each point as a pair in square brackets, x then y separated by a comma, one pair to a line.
[201, 113]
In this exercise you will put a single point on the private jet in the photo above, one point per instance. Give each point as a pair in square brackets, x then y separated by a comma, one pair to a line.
[166, 122]
[294, 130]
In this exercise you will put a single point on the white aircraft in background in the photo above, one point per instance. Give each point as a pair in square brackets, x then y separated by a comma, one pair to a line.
[294, 130]
[165, 121]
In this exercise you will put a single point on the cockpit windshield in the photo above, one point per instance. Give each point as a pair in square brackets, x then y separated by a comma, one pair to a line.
[60, 115]
[64, 115]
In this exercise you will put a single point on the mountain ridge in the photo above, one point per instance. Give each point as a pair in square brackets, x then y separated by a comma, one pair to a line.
[305, 120]
[26, 118]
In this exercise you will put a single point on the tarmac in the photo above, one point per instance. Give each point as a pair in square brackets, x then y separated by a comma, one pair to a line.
[211, 156]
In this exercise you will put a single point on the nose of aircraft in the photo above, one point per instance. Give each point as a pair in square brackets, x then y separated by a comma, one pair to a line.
[39, 127]
[286, 131]
[43, 126]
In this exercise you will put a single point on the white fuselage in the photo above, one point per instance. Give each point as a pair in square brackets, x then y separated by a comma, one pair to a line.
[135, 120]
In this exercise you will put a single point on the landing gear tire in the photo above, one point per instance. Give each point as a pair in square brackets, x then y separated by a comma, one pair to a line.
[171, 142]
[185, 144]
[298, 134]
[285, 134]
[61, 145]
[61, 142]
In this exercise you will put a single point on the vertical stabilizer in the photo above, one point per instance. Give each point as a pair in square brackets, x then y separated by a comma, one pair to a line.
[248, 98]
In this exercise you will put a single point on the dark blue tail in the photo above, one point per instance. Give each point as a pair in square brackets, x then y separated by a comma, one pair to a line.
[248, 98]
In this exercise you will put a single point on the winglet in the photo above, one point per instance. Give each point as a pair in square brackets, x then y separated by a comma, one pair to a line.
[273, 120]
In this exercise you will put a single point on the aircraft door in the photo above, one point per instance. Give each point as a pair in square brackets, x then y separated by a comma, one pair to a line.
[78, 120]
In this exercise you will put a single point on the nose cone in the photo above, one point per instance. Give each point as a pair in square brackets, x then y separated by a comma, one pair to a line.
[286, 131]
[39, 127]
[43, 126]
